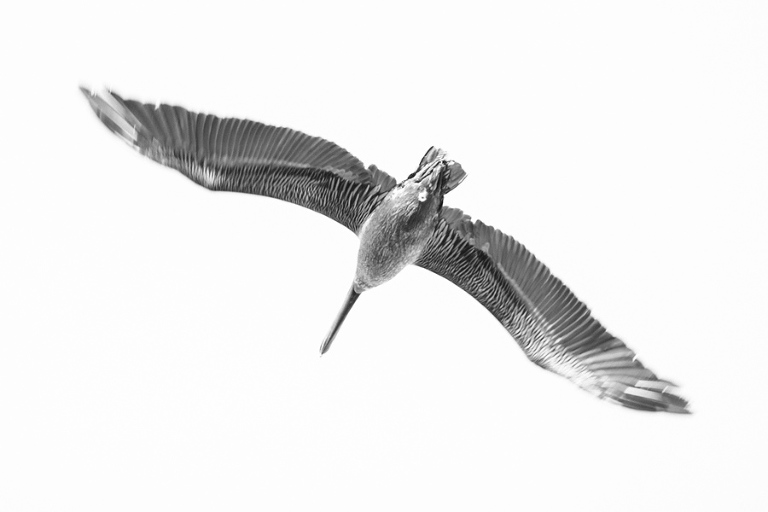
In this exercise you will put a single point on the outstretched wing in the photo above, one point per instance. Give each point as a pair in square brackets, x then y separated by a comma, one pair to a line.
[554, 329]
[244, 156]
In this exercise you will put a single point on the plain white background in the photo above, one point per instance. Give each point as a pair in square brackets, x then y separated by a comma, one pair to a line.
[159, 342]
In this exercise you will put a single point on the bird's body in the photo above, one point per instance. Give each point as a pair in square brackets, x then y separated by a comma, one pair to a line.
[398, 225]
[395, 234]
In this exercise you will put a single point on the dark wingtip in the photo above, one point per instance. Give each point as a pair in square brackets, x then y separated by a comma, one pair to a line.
[111, 110]
[677, 405]
[90, 95]
[670, 401]
[648, 395]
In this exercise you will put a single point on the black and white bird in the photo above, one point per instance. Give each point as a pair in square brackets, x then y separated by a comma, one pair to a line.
[398, 224]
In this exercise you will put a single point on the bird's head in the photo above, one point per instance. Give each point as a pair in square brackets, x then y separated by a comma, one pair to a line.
[436, 174]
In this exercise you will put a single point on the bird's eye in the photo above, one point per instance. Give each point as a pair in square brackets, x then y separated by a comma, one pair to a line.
[422, 195]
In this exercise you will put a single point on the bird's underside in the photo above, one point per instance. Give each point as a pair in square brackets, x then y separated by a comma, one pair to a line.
[554, 329]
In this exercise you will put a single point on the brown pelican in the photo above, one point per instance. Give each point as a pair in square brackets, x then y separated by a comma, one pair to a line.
[398, 224]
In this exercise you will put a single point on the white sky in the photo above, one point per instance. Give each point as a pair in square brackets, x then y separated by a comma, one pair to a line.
[159, 342]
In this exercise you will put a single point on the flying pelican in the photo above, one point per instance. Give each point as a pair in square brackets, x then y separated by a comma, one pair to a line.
[398, 224]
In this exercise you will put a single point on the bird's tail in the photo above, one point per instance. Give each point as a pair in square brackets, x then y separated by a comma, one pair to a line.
[453, 174]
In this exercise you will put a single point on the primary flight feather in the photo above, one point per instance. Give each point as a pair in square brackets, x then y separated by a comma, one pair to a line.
[398, 224]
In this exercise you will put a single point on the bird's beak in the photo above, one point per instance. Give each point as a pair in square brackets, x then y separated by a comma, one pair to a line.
[351, 298]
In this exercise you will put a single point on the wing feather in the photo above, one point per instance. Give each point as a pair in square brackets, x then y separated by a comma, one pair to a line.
[554, 328]
[245, 156]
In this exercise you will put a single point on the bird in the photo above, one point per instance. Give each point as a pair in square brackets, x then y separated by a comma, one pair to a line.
[398, 224]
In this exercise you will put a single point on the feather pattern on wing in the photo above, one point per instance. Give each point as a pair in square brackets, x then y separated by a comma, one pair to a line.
[554, 329]
[245, 156]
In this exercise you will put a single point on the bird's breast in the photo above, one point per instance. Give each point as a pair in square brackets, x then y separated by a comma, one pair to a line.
[394, 236]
